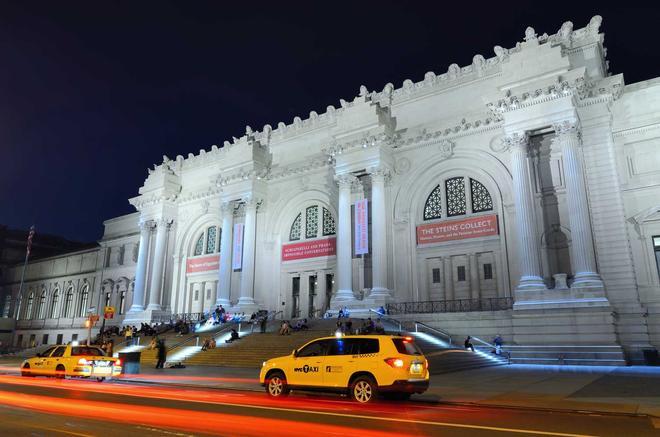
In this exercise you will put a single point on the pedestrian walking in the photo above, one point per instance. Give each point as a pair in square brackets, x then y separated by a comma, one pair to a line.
[468, 344]
[162, 355]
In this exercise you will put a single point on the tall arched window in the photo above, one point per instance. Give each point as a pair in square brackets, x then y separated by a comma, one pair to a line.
[208, 242]
[84, 297]
[28, 307]
[7, 306]
[53, 303]
[42, 305]
[17, 311]
[68, 301]
[451, 199]
[122, 301]
[307, 225]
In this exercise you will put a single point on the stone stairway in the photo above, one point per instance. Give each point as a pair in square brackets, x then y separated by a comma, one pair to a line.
[445, 358]
[567, 355]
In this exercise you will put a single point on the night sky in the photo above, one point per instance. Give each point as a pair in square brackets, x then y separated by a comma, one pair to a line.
[92, 93]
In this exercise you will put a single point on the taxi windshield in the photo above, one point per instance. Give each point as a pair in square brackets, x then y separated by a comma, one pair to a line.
[86, 351]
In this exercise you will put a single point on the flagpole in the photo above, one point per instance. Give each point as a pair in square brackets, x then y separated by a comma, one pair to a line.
[27, 255]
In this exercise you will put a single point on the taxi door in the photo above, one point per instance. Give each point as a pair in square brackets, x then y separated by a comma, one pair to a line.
[340, 362]
[39, 363]
[54, 359]
[305, 369]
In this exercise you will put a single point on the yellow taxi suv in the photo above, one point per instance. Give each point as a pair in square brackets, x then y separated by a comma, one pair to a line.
[72, 361]
[362, 366]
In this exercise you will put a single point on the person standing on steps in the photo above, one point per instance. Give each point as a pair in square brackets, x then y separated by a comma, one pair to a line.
[468, 344]
[162, 354]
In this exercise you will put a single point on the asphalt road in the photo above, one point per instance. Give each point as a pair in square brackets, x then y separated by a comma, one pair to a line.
[48, 407]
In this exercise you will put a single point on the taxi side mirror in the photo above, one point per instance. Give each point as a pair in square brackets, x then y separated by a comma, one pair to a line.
[295, 353]
[39, 355]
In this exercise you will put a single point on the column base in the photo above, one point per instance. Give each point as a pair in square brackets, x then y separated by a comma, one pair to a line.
[145, 316]
[154, 307]
[245, 305]
[587, 280]
[224, 302]
[560, 298]
[531, 282]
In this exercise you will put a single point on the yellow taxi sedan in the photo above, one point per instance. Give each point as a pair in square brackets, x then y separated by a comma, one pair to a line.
[72, 361]
[362, 366]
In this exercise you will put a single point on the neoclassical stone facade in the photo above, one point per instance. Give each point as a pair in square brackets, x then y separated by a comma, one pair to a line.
[532, 176]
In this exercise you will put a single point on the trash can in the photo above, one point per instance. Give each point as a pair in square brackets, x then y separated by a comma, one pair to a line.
[130, 362]
[651, 357]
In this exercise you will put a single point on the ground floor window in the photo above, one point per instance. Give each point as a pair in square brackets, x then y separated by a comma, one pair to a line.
[488, 271]
[436, 276]
[460, 273]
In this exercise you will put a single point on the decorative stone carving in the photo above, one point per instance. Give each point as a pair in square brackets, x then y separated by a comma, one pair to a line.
[446, 149]
[560, 281]
[402, 166]
[530, 34]
[345, 180]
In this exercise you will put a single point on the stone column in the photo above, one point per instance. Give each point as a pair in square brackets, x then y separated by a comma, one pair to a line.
[474, 276]
[249, 242]
[583, 257]
[137, 304]
[379, 288]
[319, 302]
[224, 271]
[449, 278]
[158, 265]
[528, 243]
[344, 241]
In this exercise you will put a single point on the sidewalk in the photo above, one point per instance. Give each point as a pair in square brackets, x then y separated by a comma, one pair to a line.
[622, 390]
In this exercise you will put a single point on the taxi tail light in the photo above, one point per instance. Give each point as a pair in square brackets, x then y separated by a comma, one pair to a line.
[426, 364]
[117, 362]
[395, 362]
[84, 362]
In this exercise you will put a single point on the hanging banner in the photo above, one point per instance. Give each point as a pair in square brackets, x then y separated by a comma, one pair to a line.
[203, 264]
[309, 249]
[237, 252]
[361, 227]
[473, 227]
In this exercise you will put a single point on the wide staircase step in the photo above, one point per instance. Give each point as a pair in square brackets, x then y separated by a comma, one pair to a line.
[593, 355]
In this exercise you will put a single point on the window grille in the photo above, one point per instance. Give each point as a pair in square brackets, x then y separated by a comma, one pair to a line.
[481, 200]
[460, 273]
[294, 234]
[329, 227]
[211, 235]
[199, 247]
[455, 191]
[433, 206]
[312, 222]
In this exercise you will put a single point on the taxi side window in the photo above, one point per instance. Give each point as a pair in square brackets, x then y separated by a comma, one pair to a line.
[343, 346]
[59, 351]
[367, 346]
[48, 351]
[315, 349]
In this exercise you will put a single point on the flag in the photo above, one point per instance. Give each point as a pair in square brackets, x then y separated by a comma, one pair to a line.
[29, 241]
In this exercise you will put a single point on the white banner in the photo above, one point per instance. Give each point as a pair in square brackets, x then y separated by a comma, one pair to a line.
[237, 252]
[361, 227]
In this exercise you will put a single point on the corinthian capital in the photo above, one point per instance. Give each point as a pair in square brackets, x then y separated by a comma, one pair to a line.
[516, 141]
[345, 180]
[379, 173]
[166, 222]
[227, 207]
[566, 128]
[252, 202]
[146, 225]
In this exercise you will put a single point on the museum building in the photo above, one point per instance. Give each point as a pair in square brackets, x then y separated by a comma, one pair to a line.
[518, 195]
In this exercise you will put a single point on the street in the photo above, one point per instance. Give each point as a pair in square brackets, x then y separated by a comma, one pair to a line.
[44, 406]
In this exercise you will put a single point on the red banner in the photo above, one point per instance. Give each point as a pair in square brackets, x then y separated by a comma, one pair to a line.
[203, 264]
[473, 227]
[309, 249]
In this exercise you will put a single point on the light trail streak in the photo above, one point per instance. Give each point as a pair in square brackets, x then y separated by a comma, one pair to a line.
[189, 420]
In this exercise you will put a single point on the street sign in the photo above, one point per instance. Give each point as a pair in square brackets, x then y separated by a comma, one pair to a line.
[108, 312]
[91, 310]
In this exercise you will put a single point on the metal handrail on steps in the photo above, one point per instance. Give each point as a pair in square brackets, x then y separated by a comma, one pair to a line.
[435, 330]
[388, 319]
[273, 314]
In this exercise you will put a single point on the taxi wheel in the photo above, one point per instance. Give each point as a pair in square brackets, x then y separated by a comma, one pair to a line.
[364, 389]
[276, 385]
[60, 372]
[25, 371]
